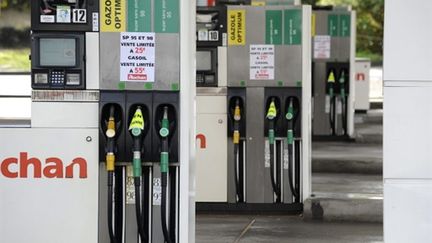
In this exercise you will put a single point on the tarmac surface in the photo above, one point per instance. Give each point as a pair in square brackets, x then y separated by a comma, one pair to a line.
[290, 229]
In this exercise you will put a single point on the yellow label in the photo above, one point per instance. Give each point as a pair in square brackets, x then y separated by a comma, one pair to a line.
[113, 15]
[331, 78]
[272, 112]
[313, 27]
[137, 120]
[236, 27]
[258, 3]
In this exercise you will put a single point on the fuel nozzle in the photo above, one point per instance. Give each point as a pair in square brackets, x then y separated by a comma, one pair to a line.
[290, 118]
[136, 129]
[110, 134]
[164, 132]
[237, 118]
[342, 85]
[271, 115]
[331, 81]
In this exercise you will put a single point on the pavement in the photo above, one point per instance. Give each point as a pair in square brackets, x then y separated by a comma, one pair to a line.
[292, 229]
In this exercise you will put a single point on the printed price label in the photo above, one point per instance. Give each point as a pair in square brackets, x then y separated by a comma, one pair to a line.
[137, 57]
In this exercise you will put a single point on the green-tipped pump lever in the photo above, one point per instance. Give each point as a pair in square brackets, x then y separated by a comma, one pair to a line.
[289, 116]
[164, 167]
[271, 117]
[136, 129]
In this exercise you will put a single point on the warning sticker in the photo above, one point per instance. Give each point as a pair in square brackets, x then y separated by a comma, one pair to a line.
[236, 27]
[113, 15]
[322, 46]
[261, 61]
[63, 14]
[137, 56]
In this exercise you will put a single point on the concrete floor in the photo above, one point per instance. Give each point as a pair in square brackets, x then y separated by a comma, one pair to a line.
[292, 229]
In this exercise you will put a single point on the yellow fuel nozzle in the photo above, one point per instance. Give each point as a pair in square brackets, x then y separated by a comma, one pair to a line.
[111, 132]
[110, 160]
[237, 113]
[331, 78]
[272, 111]
[237, 118]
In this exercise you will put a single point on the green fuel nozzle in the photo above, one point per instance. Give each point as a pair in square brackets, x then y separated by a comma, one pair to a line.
[136, 129]
[290, 117]
[342, 85]
[164, 132]
[271, 115]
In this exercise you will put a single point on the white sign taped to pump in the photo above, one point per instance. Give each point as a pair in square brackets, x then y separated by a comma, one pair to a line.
[137, 57]
[261, 62]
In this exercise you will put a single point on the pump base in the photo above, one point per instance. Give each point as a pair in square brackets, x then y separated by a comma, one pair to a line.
[330, 138]
[248, 208]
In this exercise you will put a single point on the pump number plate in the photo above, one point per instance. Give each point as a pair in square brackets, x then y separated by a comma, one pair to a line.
[79, 16]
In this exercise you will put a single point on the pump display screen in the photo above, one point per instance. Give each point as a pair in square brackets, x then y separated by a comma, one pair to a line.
[204, 60]
[57, 52]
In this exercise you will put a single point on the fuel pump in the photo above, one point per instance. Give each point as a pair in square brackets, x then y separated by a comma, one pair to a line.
[136, 129]
[333, 73]
[274, 165]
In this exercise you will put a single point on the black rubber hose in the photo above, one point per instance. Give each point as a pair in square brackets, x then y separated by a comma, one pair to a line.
[110, 208]
[332, 115]
[344, 115]
[164, 207]
[290, 171]
[236, 172]
[138, 213]
[276, 188]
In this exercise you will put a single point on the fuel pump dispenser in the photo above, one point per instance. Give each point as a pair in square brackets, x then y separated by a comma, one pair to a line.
[268, 111]
[110, 150]
[333, 35]
[141, 73]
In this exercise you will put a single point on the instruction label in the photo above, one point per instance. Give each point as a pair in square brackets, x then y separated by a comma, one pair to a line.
[157, 191]
[113, 15]
[261, 62]
[322, 46]
[139, 16]
[236, 27]
[130, 185]
[63, 14]
[267, 154]
[274, 27]
[293, 27]
[166, 16]
[137, 57]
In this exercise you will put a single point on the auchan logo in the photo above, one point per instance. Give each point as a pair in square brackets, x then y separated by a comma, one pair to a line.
[53, 167]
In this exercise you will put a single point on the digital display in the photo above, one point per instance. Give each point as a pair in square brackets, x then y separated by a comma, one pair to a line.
[60, 52]
[204, 60]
